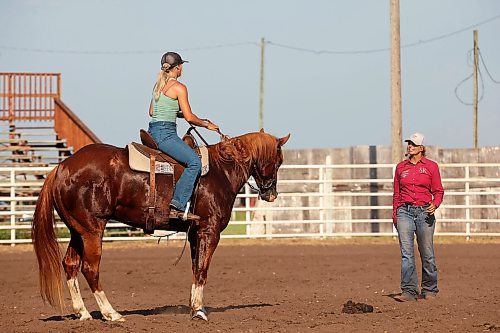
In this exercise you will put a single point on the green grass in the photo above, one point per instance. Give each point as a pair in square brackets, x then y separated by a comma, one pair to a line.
[4, 234]
[232, 229]
[236, 229]
[26, 233]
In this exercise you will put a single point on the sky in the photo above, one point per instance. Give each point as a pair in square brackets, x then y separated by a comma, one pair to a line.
[109, 52]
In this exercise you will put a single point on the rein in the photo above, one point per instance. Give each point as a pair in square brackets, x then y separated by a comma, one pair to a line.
[253, 187]
[193, 128]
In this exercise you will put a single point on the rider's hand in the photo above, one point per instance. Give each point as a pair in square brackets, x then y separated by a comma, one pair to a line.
[211, 126]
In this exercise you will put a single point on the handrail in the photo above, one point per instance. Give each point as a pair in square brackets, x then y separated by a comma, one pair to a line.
[68, 126]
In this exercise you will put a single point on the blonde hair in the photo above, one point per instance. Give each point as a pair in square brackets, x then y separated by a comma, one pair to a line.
[161, 81]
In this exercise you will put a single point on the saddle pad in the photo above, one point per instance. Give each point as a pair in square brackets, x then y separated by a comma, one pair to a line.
[139, 162]
[204, 159]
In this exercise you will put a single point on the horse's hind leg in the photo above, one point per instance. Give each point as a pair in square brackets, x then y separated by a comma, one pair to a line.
[92, 244]
[71, 264]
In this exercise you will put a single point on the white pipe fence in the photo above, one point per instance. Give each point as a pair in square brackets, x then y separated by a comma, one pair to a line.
[315, 201]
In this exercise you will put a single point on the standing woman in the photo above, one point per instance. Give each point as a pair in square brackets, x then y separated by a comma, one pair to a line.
[168, 97]
[418, 192]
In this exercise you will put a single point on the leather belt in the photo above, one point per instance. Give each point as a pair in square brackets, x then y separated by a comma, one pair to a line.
[411, 204]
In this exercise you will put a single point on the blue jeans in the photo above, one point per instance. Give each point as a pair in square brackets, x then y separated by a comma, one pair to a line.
[414, 220]
[165, 135]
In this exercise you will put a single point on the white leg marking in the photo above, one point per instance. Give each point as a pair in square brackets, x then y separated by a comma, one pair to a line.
[196, 297]
[107, 310]
[192, 295]
[196, 303]
[77, 300]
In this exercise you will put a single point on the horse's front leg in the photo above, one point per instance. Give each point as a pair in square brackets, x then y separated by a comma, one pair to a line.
[203, 244]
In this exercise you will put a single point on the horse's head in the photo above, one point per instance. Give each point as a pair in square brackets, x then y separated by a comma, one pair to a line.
[266, 165]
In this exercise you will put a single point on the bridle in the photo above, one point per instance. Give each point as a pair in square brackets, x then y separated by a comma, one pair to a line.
[262, 188]
[258, 189]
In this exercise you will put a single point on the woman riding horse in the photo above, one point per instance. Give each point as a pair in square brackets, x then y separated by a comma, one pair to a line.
[168, 97]
[96, 184]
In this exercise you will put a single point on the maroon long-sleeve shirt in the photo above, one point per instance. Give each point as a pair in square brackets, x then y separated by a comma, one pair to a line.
[417, 184]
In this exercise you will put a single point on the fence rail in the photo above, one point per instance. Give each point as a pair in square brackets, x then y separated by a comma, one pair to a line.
[314, 201]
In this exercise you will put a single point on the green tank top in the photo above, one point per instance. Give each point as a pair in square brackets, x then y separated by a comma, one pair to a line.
[164, 109]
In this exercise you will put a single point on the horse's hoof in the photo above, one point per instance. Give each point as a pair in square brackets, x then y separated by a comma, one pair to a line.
[200, 314]
[84, 316]
[118, 319]
[115, 316]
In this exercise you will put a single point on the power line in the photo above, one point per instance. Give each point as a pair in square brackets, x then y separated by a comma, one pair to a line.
[465, 80]
[486, 68]
[130, 52]
[229, 45]
[420, 42]
[433, 39]
[469, 60]
[301, 49]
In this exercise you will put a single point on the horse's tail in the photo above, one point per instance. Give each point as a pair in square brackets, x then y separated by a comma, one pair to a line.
[46, 247]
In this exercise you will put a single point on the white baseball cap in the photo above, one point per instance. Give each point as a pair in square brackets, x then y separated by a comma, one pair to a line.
[416, 138]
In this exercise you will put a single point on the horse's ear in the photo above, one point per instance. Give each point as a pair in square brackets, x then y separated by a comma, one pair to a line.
[262, 130]
[283, 140]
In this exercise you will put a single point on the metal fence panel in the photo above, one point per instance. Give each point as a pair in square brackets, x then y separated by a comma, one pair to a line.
[314, 201]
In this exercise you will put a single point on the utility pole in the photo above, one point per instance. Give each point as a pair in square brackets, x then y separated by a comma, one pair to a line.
[261, 97]
[475, 102]
[396, 117]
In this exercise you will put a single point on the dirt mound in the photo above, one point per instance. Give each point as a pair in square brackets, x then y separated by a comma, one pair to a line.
[351, 307]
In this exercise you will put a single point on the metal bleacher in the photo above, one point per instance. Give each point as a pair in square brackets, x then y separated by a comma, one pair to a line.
[25, 147]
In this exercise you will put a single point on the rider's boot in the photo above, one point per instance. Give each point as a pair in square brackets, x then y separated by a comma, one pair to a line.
[179, 214]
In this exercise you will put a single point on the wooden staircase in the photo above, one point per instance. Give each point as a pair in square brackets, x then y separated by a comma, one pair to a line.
[39, 129]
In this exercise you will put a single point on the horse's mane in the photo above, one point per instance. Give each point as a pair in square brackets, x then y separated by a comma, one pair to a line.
[247, 149]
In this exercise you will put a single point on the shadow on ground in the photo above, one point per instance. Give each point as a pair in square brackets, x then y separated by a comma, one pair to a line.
[166, 309]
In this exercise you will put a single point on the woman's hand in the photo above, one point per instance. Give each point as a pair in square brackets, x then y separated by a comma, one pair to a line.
[211, 126]
[431, 209]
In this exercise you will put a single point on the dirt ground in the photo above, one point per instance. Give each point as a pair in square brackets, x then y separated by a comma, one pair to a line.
[264, 286]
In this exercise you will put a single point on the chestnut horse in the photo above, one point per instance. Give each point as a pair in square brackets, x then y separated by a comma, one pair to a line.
[96, 184]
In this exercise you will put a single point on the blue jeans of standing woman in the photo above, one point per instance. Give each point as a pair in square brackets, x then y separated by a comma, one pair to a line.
[165, 135]
[414, 220]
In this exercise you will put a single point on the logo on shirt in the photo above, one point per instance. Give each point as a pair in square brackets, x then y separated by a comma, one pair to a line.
[423, 170]
[405, 173]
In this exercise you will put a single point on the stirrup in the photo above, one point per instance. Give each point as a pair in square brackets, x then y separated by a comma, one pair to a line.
[161, 233]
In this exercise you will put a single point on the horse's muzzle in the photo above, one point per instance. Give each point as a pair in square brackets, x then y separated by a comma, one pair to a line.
[269, 195]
